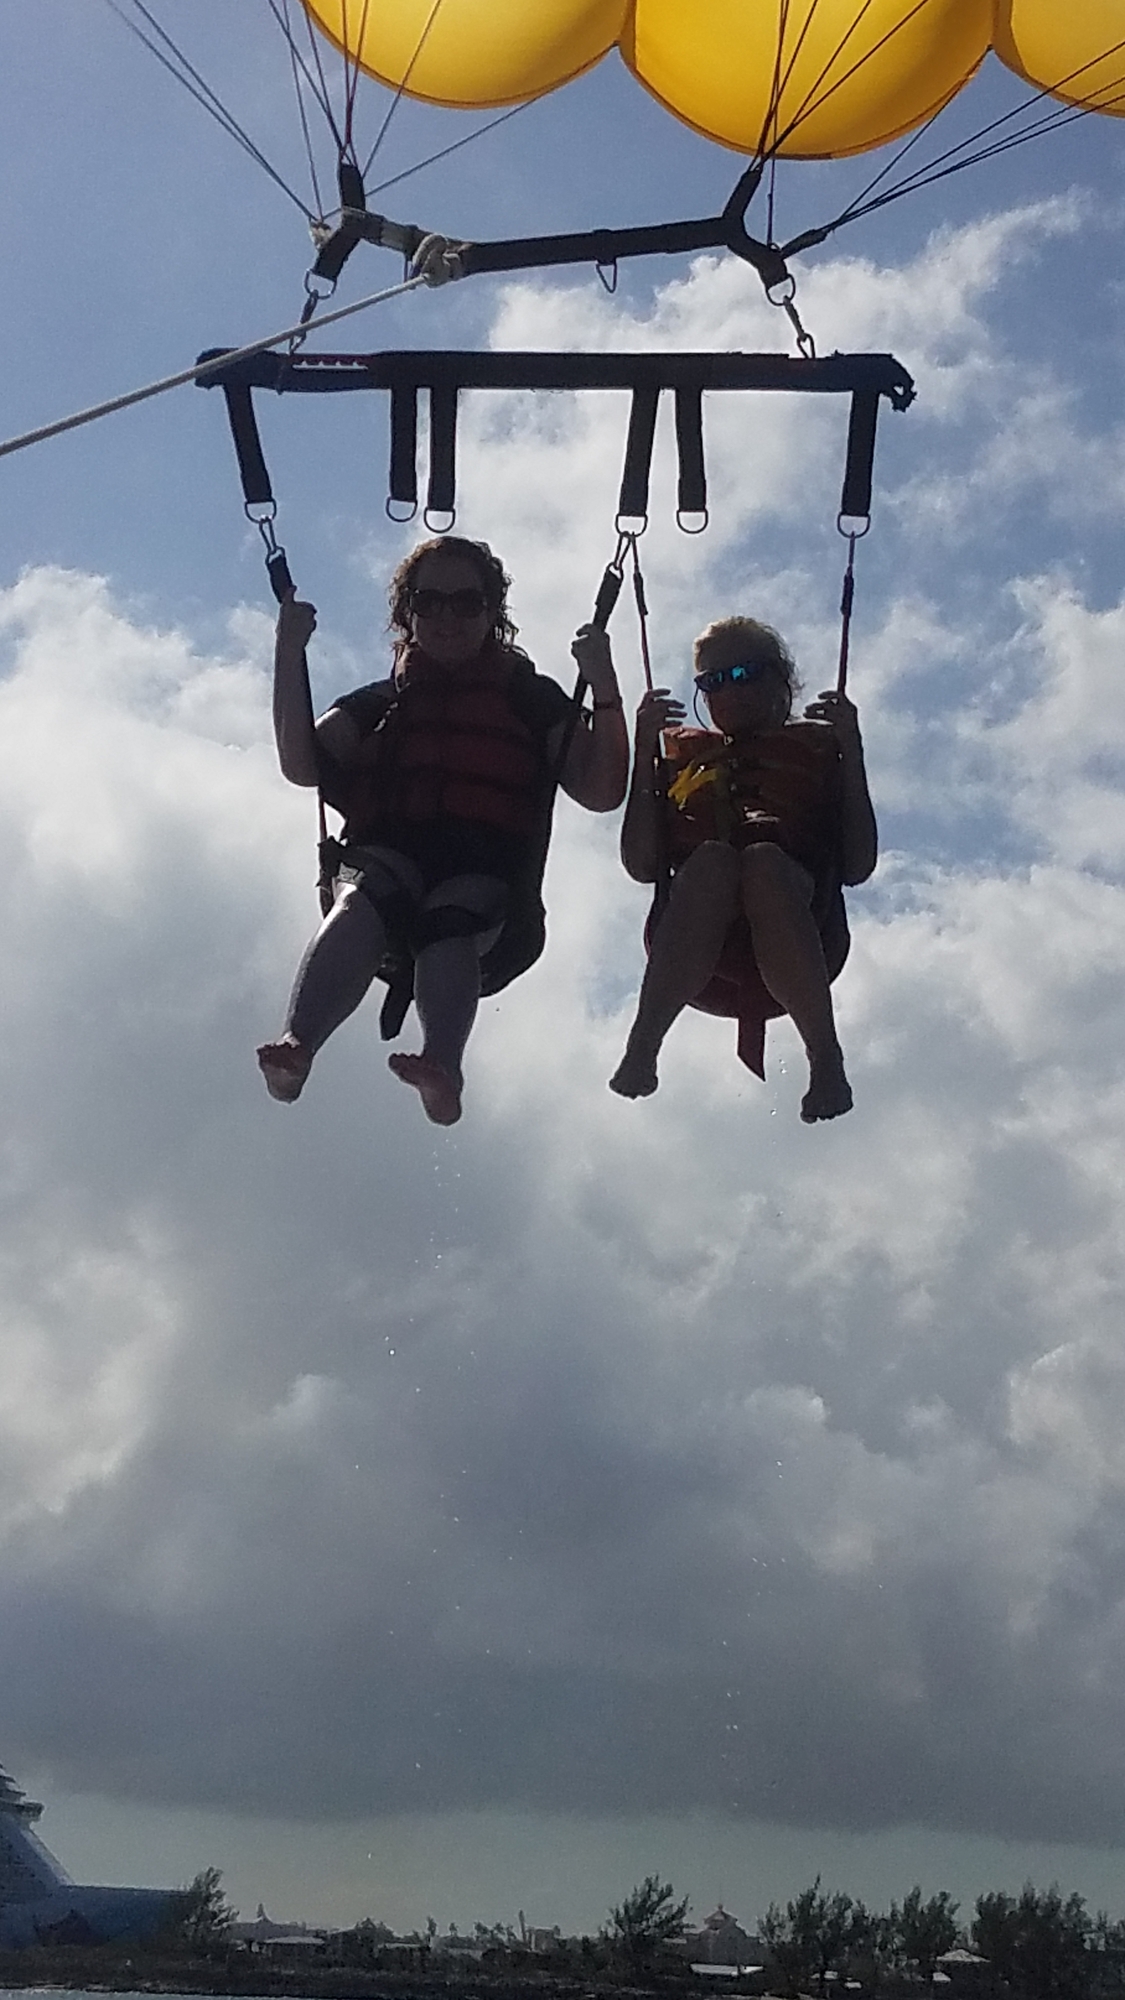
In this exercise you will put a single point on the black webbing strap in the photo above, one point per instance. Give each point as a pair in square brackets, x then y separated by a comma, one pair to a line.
[855, 500]
[404, 448]
[337, 248]
[441, 494]
[256, 488]
[609, 590]
[691, 492]
[632, 504]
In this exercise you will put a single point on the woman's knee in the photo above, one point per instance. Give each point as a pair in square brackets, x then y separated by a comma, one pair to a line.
[766, 869]
[713, 866]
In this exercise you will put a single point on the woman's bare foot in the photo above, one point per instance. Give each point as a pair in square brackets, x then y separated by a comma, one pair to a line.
[439, 1092]
[285, 1066]
[635, 1075]
[829, 1093]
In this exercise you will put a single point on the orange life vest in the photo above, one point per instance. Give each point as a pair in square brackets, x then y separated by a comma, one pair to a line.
[779, 784]
[782, 785]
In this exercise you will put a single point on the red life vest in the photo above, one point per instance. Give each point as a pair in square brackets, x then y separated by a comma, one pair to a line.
[452, 746]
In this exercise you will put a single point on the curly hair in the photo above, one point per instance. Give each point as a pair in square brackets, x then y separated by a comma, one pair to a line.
[757, 642]
[494, 582]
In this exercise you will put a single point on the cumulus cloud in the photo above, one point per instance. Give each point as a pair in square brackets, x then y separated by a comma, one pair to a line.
[594, 1456]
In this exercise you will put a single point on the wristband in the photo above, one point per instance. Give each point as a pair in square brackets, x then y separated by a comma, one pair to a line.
[618, 704]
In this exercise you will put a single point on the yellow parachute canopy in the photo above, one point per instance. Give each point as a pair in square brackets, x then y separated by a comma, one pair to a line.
[811, 79]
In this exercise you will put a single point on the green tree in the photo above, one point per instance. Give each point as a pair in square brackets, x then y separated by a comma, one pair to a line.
[872, 1948]
[809, 1938]
[925, 1930]
[1107, 1957]
[647, 1921]
[201, 1917]
[1037, 1944]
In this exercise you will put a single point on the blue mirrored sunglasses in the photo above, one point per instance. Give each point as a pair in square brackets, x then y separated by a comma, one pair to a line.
[745, 670]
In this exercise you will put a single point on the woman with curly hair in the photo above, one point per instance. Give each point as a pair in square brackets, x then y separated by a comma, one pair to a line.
[759, 821]
[445, 775]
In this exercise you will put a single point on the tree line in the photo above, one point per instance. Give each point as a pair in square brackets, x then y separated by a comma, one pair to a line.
[1037, 1945]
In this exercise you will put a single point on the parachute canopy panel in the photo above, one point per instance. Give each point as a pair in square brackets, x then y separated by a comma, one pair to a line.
[473, 52]
[811, 79]
[1076, 53]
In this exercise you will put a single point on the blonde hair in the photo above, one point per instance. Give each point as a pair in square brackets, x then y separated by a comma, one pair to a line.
[756, 641]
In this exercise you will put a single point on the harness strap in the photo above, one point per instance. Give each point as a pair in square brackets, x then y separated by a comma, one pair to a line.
[847, 599]
[855, 500]
[335, 249]
[404, 449]
[441, 497]
[256, 488]
[691, 494]
[258, 493]
[632, 504]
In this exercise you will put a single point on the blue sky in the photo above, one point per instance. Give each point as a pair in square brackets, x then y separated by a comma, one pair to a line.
[475, 1521]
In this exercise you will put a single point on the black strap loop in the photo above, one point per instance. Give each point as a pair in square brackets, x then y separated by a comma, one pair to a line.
[691, 497]
[337, 248]
[632, 504]
[256, 488]
[441, 496]
[404, 446]
[855, 500]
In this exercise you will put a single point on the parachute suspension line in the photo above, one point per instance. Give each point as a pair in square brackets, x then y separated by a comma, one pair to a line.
[815, 97]
[423, 38]
[769, 141]
[513, 111]
[176, 63]
[352, 75]
[200, 372]
[930, 175]
[297, 67]
[323, 93]
[915, 139]
[948, 162]
[936, 170]
[771, 194]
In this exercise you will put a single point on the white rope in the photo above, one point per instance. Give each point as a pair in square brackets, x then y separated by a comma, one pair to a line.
[200, 373]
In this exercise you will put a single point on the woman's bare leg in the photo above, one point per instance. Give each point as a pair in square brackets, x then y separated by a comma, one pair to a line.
[776, 893]
[686, 947]
[332, 978]
[447, 992]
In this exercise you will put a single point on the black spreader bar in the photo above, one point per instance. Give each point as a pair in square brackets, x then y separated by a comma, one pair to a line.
[425, 368]
[403, 373]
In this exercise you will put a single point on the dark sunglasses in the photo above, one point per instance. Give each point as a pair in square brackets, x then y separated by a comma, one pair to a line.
[462, 603]
[717, 677]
